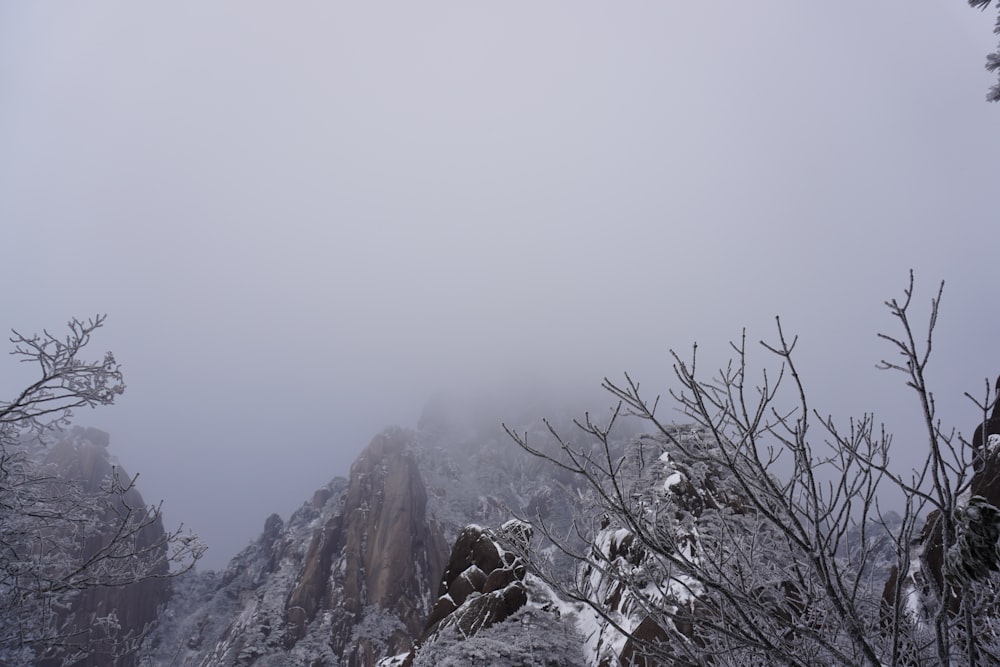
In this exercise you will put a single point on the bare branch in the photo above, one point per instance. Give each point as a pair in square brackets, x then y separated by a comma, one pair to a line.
[752, 538]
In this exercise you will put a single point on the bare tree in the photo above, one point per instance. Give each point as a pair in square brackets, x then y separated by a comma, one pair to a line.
[61, 538]
[755, 535]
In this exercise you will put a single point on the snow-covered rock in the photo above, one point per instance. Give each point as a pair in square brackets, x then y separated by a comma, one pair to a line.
[344, 581]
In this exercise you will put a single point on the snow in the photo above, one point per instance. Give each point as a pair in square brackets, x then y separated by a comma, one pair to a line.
[913, 600]
[513, 524]
[914, 603]
[685, 589]
[673, 480]
[601, 639]
[392, 661]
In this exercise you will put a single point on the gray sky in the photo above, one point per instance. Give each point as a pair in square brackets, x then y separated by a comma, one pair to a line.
[304, 219]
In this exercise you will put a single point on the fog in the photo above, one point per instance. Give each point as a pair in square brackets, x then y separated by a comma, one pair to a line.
[304, 220]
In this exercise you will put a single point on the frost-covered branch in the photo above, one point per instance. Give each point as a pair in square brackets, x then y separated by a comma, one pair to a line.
[62, 537]
[755, 535]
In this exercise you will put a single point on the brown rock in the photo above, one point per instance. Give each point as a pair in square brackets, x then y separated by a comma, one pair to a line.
[310, 590]
[380, 551]
[498, 579]
[481, 584]
[462, 587]
[444, 606]
[488, 610]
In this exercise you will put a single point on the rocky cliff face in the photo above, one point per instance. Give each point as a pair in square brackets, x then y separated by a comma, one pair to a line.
[361, 574]
[81, 455]
[346, 581]
[376, 557]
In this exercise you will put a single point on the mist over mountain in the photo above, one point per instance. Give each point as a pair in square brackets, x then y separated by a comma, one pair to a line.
[352, 576]
[304, 220]
[585, 538]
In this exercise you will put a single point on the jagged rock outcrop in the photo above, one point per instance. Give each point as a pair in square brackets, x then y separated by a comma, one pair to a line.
[480, 568]
[380, 552]
[486, 592]
[351, 577]
[360, 574]
[346, 580]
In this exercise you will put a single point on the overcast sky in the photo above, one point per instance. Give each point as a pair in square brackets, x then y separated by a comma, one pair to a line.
[305, 219]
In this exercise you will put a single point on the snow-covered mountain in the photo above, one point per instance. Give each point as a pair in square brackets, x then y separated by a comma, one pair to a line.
[352, 577]
[436, 551]
[109, 619]
[417, 558]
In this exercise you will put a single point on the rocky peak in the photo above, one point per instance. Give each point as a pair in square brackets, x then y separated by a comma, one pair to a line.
[345, 581]
[379, 552]
[351, 577]
[390, 548]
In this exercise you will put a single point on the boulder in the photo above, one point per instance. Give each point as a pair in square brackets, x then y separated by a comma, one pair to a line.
[482, 585]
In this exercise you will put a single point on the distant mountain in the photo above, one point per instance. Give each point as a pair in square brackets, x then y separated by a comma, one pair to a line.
[434, 552]
[419, 559]
[354, 574]
[81, 455]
